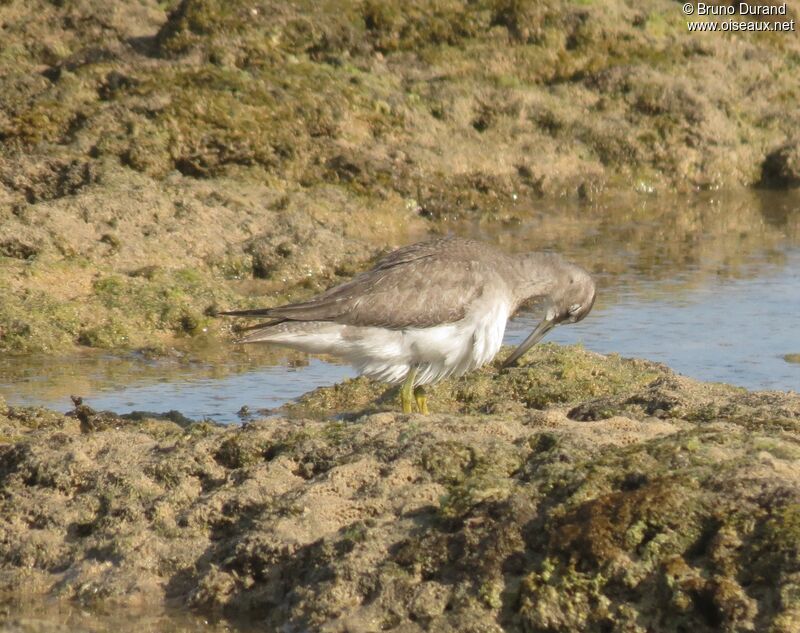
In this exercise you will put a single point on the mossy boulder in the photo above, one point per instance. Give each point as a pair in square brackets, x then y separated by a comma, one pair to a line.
[520, 521]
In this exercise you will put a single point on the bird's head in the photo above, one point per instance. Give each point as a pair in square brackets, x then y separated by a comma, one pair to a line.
[572, 297]
[568, 292]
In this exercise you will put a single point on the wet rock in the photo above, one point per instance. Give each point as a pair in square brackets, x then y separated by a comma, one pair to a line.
[17, 249]
[454, 522]
[52, 180]
[781, 167]
[92, 420]
[675, 397]
[173, 416]
[552, 374]
[115, 83]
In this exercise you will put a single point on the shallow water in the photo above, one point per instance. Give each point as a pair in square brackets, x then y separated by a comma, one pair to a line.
[708, 284]
[206, 384]
[736, 330]
[50, 616]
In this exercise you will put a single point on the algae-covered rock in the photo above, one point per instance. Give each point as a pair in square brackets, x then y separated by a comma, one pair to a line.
[160, 162]
[447, 522]
[590, 386]
[781, 167]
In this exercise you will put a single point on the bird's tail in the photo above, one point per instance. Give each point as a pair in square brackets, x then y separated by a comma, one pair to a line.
[247, 313]
[315, 337]
[261, 332]
[258, 332]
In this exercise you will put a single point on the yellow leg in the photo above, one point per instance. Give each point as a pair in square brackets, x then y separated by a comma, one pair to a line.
[422, 400]
[407, 390]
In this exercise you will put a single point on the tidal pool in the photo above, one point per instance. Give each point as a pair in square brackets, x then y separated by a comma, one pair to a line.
[708, 284]
[51, 616]
[736, 331]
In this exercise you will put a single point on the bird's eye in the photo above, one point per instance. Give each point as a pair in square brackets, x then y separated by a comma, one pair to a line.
[574, 308]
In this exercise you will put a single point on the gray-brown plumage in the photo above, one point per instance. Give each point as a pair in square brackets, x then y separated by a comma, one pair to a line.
[429, 310]
[400, 278]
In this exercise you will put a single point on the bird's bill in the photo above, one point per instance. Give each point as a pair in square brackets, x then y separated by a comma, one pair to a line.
[543, 328]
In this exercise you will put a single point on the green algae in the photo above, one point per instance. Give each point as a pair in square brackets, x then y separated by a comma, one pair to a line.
[120, 312]
[600, 557]
[396, 26]
[552, 374]
[258, 71]
[238, 452]
[486, 480]
[35, 321]
[430, 522]
[177, 300]
[533, 530]
[449, 461]
[371, 100]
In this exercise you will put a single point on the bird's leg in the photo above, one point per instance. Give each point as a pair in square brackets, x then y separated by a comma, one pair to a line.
[422, 399]
[407, 389]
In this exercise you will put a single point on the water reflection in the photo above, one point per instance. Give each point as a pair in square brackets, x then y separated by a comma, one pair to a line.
[206, 382]
[638, 239]
[50, 616]
[708, 284]
[737, 331]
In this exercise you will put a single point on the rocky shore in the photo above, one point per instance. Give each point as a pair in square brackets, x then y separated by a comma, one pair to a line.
[579, 492]
[162, 161]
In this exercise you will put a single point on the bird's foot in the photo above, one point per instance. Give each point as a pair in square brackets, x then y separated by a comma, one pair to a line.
[405, 401]
[407, 390]
[422, 400]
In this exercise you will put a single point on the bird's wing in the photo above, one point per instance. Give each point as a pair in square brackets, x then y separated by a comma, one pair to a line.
[418, 286]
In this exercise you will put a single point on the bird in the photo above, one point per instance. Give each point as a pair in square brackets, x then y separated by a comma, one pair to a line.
[428, 311]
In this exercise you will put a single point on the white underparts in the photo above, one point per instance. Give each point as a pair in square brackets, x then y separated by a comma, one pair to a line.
[438, 352]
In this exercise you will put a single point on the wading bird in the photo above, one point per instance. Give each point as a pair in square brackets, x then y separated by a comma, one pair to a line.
[428, 311]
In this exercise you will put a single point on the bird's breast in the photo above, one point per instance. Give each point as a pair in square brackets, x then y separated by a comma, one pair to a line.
[488, 328]
[441, 351]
